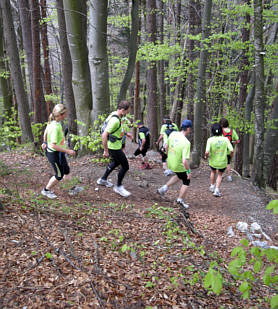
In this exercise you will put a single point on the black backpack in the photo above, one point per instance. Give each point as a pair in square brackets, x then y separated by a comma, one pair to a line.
[111, 137]
[146, 131]
[169, 129]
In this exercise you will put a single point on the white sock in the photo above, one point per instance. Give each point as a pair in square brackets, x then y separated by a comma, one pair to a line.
[179, 199]
[165, 188]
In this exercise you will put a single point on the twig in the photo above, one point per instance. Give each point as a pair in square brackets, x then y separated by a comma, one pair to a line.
[96, 293]
[234, 171]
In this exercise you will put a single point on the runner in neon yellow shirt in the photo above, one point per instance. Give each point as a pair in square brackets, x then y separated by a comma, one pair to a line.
[217, 149]
[178, 148]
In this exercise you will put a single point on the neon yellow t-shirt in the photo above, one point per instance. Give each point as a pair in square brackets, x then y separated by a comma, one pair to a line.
[218, 148]
[178, 151]
[112, 125]
[163, 131]
[55, 135]
[234, 134]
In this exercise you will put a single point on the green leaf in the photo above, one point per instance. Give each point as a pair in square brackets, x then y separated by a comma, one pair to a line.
[245, 288]
[124, 248]
[274, 302]
[258, 266]
[48, 255]
[273, 205]
[244, 242]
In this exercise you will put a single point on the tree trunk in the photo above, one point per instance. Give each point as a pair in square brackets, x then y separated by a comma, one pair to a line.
[66, 68]
[199, 106]
[76, 23]
[245, 33]
[271, 144]
[151, 73]
[16, 74]
[246, 136]
[45, 46]
[161, 63]
[40, 109]
[25, 21]
[132, 48]
[98, 57]
[5, 78]
[259, 106]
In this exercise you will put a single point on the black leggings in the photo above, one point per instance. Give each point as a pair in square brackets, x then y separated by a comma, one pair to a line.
[118, 158]
[59, 163]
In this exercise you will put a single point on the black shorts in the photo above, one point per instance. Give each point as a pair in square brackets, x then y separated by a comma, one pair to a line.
[163, 154]
[184, 178]
[59, 163]
[229, 159]
[143, 152]
[222, 170]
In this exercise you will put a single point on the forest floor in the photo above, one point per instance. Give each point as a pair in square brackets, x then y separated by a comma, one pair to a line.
[96, 249]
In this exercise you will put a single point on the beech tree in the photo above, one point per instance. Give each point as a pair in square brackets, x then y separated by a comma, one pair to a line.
[76, 23]
[16, 74]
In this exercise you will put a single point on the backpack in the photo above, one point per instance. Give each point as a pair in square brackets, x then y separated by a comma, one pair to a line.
[169, 129]
[228, 135]
[104, 125]
[146, 131]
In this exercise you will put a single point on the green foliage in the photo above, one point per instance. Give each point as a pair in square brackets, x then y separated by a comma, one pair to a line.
[213, 280]
[10, 131]
[92, 141]
[37, 130]
[52, 97]
[274, 206]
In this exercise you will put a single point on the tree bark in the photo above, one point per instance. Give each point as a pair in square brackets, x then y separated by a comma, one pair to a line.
[132, 48]
[259, 106]
[66, 68]
[25, 21]
[99, 58]
[245, 34]
[5, 80]
[271, 146]
[40, 109]
[16, 74]
[45, 47]
[151, 73]
[76, 23]
[199, 106]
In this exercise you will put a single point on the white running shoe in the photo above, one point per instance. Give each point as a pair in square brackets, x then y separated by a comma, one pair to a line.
[182, 203]
[103, 182]
[229, 178]
[121, 190]
[216, 192]
[161, 191]
[168, 173]
[212, 188]
[49, 194]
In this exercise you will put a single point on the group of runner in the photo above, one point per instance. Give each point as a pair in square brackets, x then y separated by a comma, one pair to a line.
[175, 151]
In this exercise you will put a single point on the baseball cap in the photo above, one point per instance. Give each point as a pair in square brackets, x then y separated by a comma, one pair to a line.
[186, 124]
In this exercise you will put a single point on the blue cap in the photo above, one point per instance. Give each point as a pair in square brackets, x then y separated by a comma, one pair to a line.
[186, 124]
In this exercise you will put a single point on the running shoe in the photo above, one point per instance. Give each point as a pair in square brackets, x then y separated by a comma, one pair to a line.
[229, 178]
[161, 191]
[49, 194]
[182, 204]
[216, 192]
[121, 190]
[168, 173]
[103, 182]
[212, 188]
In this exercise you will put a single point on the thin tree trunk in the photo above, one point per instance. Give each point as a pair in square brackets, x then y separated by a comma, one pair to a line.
[16, 74]
[199, 106]
[45, 46]
[40, 110]
[132, 48]
[257, 173]
[246, 136]
[161, 63]
[5, 80]
[66, 68]
[25, 21]
[245, 33]
[151, 73]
